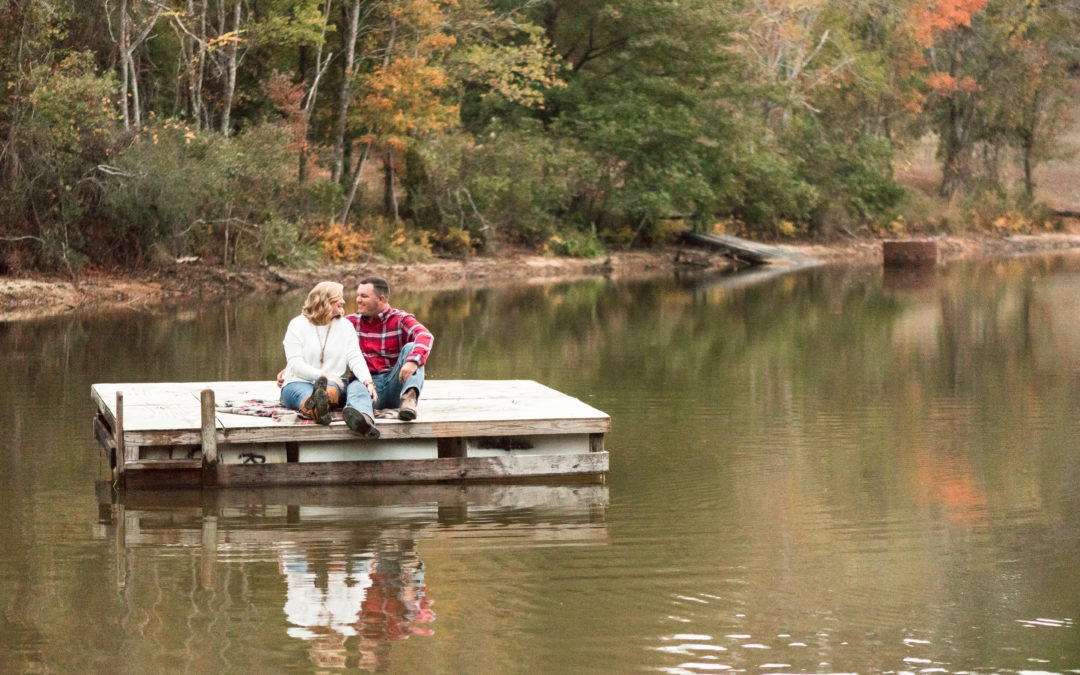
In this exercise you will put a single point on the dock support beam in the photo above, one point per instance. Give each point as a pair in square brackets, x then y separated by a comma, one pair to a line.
[209, 438]
[118, 441]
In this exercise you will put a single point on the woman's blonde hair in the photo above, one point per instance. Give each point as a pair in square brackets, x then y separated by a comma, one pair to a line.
[318, 307]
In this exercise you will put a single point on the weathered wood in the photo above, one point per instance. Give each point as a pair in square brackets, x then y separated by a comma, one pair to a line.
[909, 253]
[121, 444]
[744, 250]
[390, 429]
[443, 469]
[596, 442]
[464, 421]
[164, 464]
[208, 439]
[103, 434]
[170, 413]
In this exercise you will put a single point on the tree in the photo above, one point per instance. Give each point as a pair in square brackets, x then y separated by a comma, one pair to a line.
[401, 97]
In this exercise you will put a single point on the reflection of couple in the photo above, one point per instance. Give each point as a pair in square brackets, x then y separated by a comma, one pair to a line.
[379, 598]
[384, 348]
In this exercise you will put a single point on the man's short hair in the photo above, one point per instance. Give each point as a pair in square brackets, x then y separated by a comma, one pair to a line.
[379, 284]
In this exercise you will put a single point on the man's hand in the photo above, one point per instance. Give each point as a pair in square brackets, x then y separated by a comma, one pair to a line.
[406, 371]
[281, 378]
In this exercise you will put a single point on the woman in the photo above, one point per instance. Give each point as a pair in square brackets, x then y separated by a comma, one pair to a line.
[318, 345]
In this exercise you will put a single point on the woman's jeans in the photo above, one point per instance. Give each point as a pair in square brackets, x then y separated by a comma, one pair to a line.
[295, 393]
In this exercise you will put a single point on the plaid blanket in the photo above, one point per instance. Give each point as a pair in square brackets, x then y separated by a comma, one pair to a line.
[272, 409]
[278, 412]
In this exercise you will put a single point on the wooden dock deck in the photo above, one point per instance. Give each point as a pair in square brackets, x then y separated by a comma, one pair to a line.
[156, 434]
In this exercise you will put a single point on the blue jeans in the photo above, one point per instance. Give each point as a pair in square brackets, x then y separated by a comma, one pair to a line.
[295, 393]
[387, 386]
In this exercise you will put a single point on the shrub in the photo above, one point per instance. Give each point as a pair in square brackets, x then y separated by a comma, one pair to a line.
[341, 243]
[576, 243]
[195, 192]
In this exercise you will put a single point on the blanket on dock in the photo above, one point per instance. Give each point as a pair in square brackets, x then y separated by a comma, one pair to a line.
[276, 411]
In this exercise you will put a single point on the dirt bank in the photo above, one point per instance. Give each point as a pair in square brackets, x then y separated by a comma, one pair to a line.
[183, 283]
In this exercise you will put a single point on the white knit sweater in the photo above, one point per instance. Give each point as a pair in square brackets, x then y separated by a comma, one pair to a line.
[337, 343]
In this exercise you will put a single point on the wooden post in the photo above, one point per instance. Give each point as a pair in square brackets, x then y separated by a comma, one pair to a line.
[120, 446]
[209, 437]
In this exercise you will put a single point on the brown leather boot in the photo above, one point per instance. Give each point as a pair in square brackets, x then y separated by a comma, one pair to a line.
[317, 406]
[407, 409]
[334, 397]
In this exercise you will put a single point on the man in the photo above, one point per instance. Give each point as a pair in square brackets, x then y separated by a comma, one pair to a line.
[396, 347]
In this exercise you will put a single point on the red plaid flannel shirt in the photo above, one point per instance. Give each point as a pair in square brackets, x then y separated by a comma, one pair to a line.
[382, 337]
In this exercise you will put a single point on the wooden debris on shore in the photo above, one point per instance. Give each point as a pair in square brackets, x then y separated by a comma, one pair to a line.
[743, 251]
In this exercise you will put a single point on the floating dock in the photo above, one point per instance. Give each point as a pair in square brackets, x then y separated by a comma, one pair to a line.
[224, 434]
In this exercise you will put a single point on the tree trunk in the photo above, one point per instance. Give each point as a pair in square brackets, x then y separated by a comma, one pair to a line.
[954, 163]
[355, 184]
[125, 57]
[390, 205]
[313, 90]
[345, 93]
[230, 73]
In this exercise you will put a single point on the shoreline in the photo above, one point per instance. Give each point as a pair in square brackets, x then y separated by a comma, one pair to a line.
[26, 299]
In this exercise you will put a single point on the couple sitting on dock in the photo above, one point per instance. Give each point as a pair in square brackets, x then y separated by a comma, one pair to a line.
[384, 348]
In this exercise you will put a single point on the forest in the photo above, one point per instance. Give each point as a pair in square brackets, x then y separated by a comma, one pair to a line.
[293, 132]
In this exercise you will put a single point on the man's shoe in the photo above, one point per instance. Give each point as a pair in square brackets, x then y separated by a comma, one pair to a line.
[360, 423]
[407, 410]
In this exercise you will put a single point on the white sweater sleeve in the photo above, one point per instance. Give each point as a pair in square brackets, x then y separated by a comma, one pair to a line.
[300, 333]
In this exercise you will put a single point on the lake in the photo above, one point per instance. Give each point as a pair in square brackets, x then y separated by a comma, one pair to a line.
[831, 470]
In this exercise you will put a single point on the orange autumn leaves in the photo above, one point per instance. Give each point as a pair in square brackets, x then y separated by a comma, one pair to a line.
[402, 93]
[927, 20]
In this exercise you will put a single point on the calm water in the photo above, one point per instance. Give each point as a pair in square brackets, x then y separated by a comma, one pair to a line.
[828, 471]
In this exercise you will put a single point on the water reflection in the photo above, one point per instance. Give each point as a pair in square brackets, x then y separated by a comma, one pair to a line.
[350, 572]
[823, 471]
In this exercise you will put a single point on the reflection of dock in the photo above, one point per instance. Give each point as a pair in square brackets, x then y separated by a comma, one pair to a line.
[337, 573]
[259, 521]
[168, 434]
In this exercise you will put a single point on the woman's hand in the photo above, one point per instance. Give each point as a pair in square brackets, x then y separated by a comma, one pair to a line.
[371, 390]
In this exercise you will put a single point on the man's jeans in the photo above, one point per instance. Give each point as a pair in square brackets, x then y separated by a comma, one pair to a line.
[386, 385]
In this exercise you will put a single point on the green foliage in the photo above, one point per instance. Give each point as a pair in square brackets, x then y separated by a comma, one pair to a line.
[577, 244]
[575, 127]
[62, 127]
[513, 186]
[227, 200]
[847, 170]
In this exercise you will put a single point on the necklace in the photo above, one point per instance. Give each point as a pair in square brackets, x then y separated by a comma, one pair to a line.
[322, 352]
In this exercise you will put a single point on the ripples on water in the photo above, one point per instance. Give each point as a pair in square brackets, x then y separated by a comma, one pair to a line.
[818, 473]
